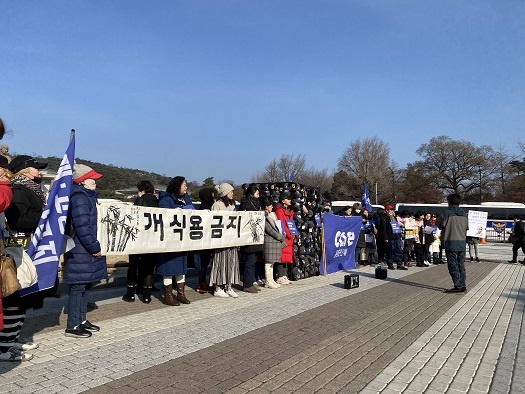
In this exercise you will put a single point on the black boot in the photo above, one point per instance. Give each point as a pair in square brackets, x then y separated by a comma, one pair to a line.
[146, 294]
[130, 294]
[180, 293]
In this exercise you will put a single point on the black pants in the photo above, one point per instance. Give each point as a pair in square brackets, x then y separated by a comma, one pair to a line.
[140, 269]
[282, 269]
[249, 269]
[518, 244]
[205, 261]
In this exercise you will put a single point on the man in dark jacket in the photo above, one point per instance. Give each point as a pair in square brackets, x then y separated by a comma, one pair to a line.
[390, 233]
[518, 231]
[453, 224]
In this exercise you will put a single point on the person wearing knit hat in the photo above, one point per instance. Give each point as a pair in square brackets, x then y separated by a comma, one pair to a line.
[225, 262]
[223, 189]
[81, 172]
[84, 264]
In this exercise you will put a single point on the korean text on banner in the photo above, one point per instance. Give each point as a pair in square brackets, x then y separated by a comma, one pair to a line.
[131, 229]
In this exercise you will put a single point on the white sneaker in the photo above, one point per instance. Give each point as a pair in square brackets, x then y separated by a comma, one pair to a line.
[426, 263]
[220, 293]
[24, 345]
[283, 280]
[14, 354]
[231, 293]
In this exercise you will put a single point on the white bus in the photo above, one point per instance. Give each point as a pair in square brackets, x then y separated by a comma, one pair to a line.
[338, 205]
[499, 221]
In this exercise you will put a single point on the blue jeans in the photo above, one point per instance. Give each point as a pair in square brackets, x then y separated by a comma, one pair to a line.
[249, 269]
[77, 306]
[394, 252]
[456, 268]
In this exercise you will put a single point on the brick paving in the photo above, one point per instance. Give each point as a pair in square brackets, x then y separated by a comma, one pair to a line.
[397, 335]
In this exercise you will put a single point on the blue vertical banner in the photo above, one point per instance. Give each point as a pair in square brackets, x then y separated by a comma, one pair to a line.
[340, 234]
[46, 244]
[365, 199]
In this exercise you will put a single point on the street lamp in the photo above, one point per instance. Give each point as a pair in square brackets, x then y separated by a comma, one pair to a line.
[393, 184]
[480, 197]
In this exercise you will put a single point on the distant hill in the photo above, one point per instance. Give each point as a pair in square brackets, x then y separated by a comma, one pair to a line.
[115, 178]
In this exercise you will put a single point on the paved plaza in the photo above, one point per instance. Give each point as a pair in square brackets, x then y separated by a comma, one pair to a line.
[398, 335]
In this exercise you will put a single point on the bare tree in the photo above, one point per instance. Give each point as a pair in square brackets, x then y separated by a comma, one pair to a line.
[317, 178]
[503, 163]
[368, 160]
[283, 169]
[456, 165]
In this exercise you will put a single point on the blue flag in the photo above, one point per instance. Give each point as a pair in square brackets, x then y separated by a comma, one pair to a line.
[290, 178]
[365, 199]
[46, 243]
[340, 239]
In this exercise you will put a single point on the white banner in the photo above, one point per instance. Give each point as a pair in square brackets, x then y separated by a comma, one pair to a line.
[477, 224]
[131, 229]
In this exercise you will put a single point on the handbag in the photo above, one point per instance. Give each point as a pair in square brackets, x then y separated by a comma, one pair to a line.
[25, 269]
[513, 238]
[10, 283]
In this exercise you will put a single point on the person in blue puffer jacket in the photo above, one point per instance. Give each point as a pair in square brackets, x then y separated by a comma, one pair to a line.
[84, 264]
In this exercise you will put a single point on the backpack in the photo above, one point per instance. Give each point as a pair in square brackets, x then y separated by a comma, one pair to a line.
[25, 210]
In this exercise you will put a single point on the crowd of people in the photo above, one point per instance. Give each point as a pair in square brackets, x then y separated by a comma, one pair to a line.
[396, 239]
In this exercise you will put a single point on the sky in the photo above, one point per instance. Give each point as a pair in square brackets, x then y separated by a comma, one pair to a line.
[220, 88]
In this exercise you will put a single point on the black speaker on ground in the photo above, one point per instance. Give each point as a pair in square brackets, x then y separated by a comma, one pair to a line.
[351, 281]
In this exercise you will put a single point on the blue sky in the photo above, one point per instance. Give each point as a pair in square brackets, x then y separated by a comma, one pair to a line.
[220, 88]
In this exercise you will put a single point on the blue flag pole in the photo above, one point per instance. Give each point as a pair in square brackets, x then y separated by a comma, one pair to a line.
[46, 243]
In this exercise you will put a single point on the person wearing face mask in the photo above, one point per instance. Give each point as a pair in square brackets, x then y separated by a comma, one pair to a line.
[84, 264]
[29, 199]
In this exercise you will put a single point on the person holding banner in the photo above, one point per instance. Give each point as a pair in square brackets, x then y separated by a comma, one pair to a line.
[284, 214]
[174, 264]
[225, 261]
[84, 264]
[142, 266]
[273, 243]
[207, 196]
[250, 202]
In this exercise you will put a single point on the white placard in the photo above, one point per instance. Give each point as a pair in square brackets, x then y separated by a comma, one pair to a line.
[477, 224]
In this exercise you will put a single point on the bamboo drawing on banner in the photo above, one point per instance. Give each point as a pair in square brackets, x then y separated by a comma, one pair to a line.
[119, 229]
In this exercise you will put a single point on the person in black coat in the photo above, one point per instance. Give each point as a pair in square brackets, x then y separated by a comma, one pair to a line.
[142, 266]
[390, 234]
[207, 197]
[519, 231]
[250, 202]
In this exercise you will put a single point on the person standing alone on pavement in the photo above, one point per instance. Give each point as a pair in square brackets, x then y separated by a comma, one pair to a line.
[453, 224]
[518, 231]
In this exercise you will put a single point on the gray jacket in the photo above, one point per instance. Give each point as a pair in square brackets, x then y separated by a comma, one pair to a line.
[273, 240]
[453, 224]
